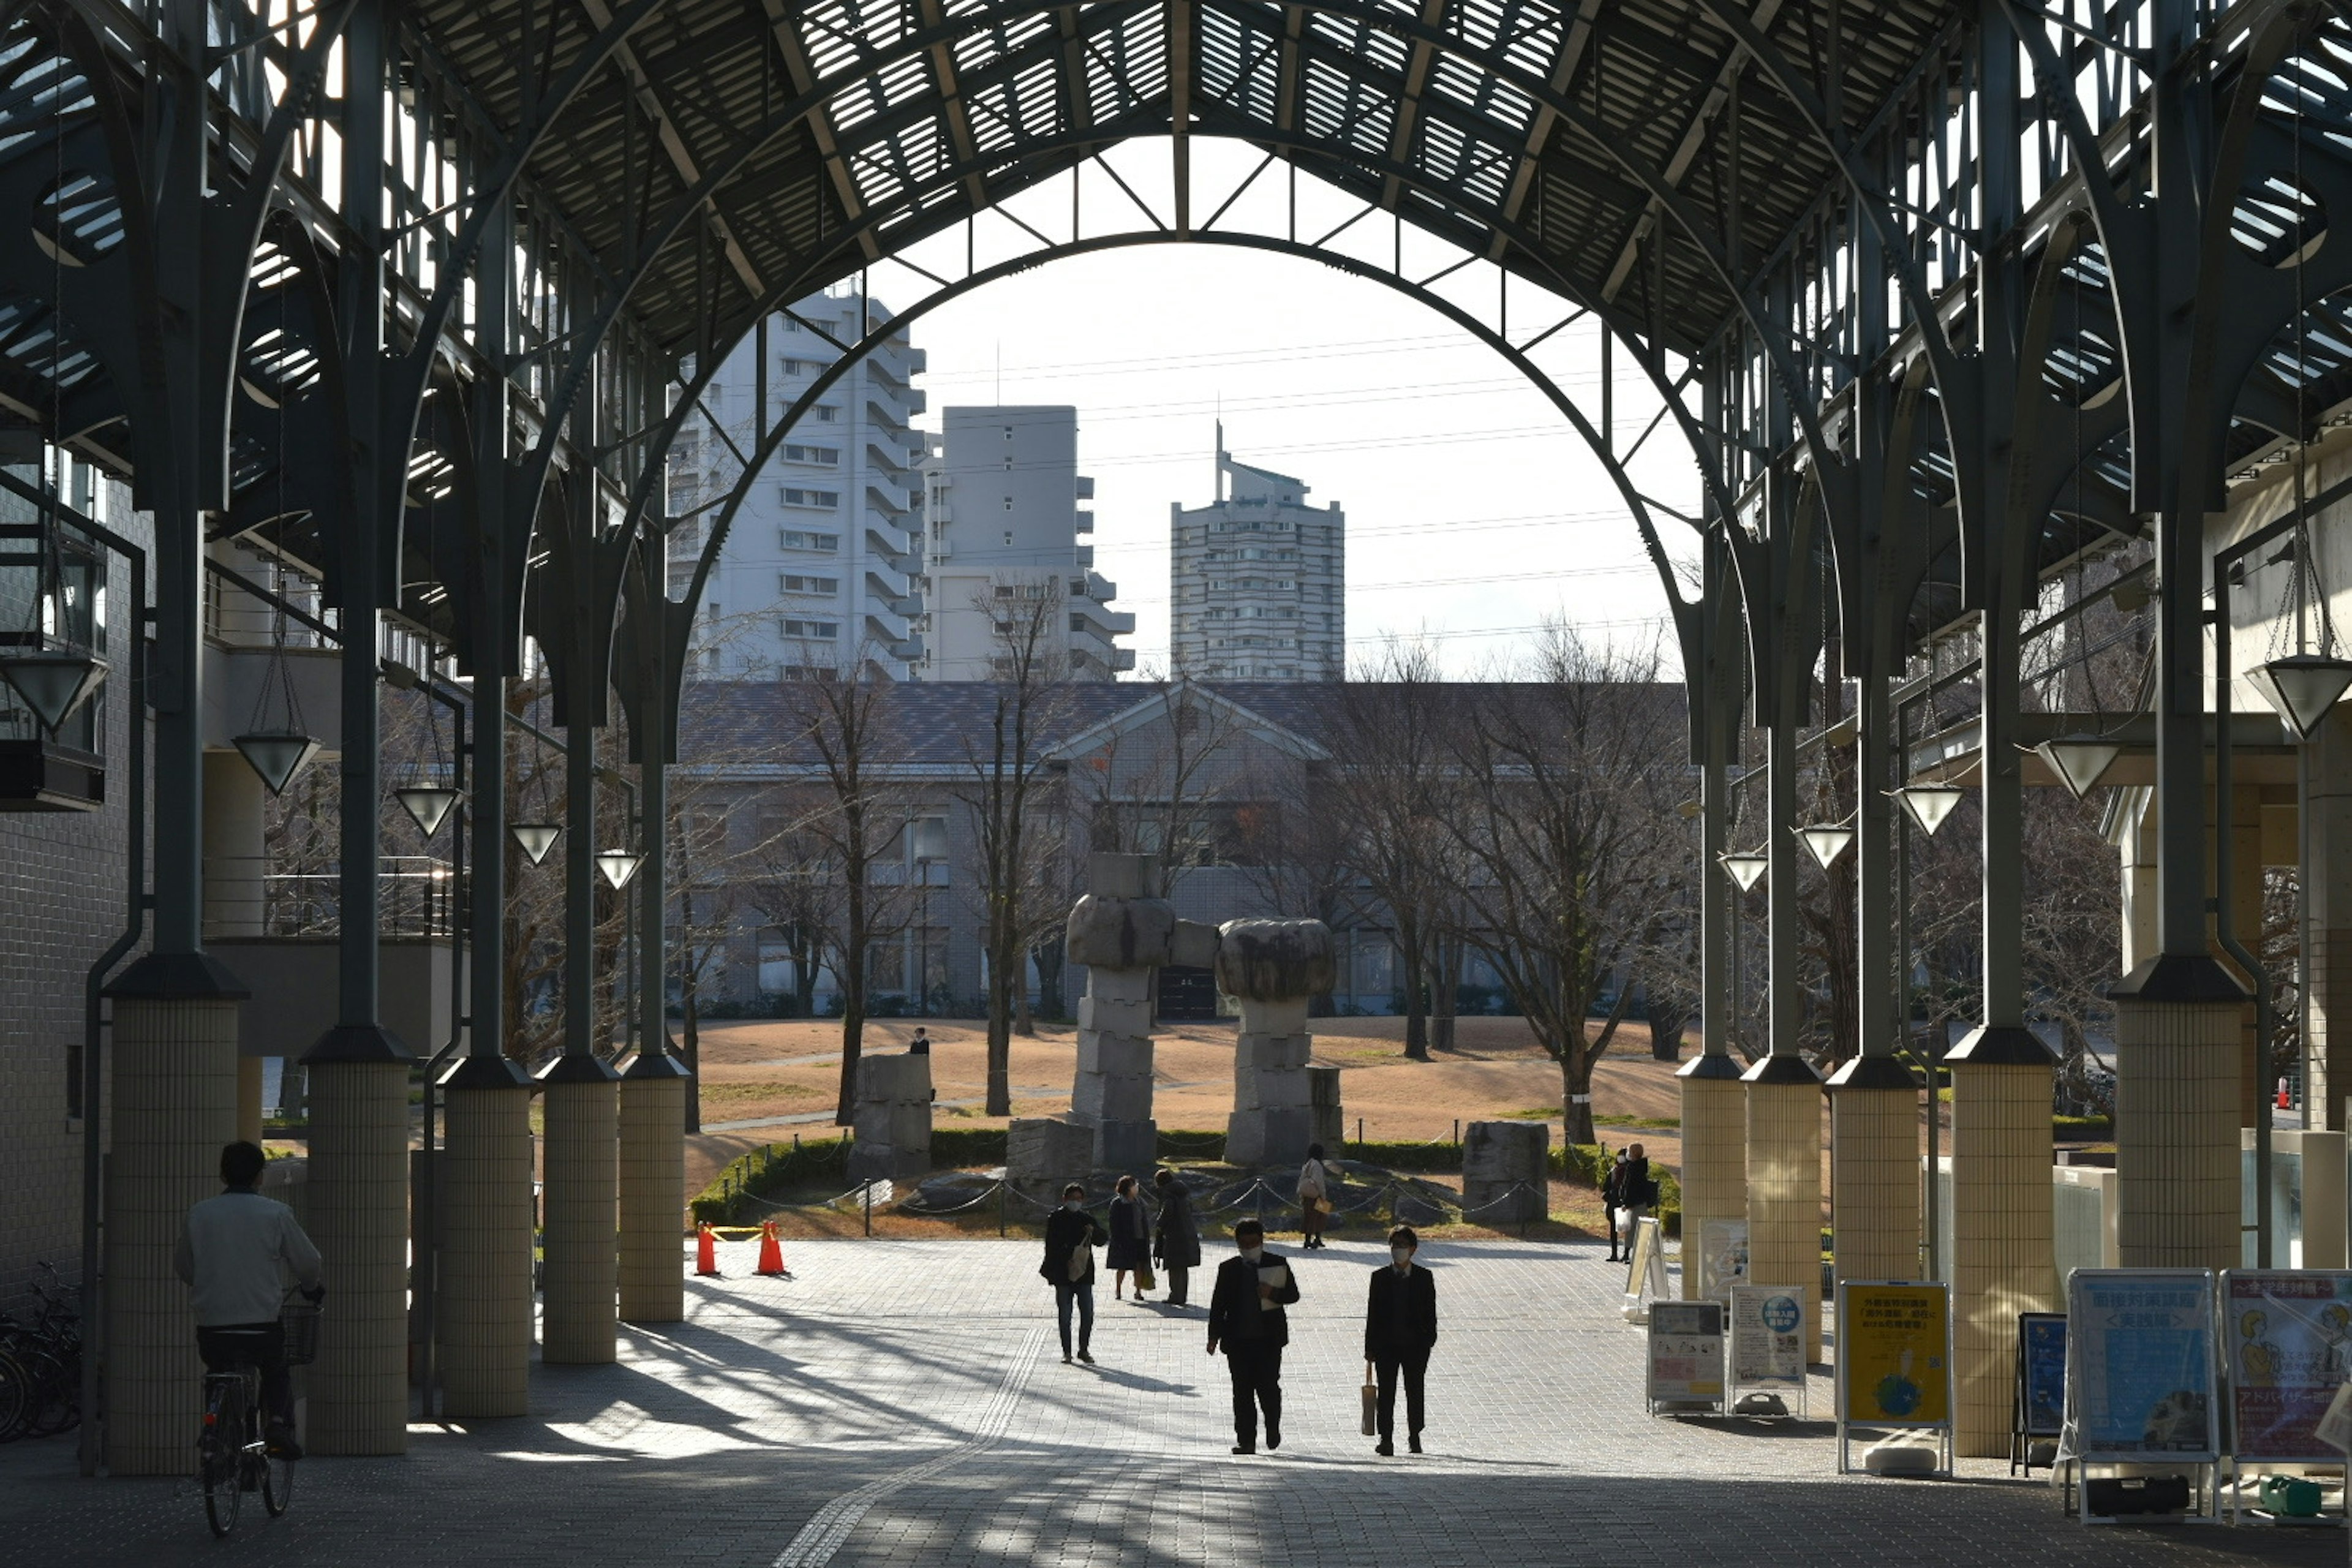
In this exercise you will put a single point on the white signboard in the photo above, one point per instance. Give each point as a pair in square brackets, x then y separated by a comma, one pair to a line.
[1684, 1365]
[1722, 1257]
[1645, 1279]
[2140, 1363]
[1768, 1336]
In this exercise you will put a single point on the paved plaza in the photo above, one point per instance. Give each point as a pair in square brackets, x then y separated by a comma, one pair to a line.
[903, 1402]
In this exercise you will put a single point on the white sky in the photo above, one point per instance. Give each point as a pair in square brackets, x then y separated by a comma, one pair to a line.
[1473, 509]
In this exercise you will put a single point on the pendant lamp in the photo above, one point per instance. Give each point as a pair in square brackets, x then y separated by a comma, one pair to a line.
[618, 866]
[2079, 761]
[1747, 869]
[1827, 843]
[2301, 688]
[1928, 804]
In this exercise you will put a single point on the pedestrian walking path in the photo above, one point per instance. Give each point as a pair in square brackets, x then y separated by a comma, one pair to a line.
[904, 1403]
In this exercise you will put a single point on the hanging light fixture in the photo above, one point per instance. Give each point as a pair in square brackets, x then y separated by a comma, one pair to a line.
[51, 662]
[54, 684]
[281, 749]
[2079, 761]
[1827, 843]
[1930, 804]
[428, 804]
[2301, 688]
[1747, 869]
[536, 838]
[618, 866]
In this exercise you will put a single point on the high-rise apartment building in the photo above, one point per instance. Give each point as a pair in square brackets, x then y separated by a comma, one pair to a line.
[1002, 514]
[1257, 582]
[817, 571]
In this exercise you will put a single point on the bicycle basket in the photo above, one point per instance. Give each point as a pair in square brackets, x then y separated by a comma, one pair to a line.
[300, 1321]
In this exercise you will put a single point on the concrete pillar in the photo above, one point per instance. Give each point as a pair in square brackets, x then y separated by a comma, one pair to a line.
[652, 1189]
[1715, 1150]
[581, 1216]
[485, 1320]
[174, 1106]
[2179, 1045]
[249, 1098]
[1784, 1183]
[2001, 1241]
[2329, 878]
[235, 852]
[357, 1203]
[1874, 1169]
[2255, 1083]
[1272, 968]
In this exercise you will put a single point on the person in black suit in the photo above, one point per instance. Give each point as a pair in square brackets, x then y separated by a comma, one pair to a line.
[1400, 1329]
[1246, 1317]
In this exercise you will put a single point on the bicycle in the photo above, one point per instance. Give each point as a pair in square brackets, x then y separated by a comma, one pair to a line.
[40, 1364]
[233, 1454]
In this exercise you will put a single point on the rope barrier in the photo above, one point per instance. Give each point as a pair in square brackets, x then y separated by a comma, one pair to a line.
[994, 1187]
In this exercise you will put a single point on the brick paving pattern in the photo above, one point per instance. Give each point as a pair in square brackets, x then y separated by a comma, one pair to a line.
[907, 1397]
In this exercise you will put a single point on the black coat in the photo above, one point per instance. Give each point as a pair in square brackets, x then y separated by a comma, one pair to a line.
[1066, 1232]
[1178, 1242]
[1401, 1318]
[1130, 1236]
[1637, 1188]
[1235, 1314]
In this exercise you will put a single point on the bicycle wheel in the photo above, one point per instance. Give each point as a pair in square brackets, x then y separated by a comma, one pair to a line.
[15, 1395]
[55, 1396]
[277, 1485]
[219, 1457]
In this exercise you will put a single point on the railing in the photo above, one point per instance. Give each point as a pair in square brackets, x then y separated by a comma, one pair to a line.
[243, 897]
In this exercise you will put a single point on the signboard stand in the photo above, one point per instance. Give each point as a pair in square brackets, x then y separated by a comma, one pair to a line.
[1721, 1256]
[1646, 1280]
[1895, 1363]
[2038, 1404]
[1683, 1371]
[1768, 1350]
[2141, 1393]
[2285, 1338]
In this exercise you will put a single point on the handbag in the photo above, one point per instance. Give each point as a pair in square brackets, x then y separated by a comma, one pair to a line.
[1144, 1281]
[1081, 1262]
[1371, 1392]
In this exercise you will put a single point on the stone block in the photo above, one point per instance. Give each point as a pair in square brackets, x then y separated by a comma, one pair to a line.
[1111, 875]
[1323, 1087]
[1272, 1053]
[1129, 1148]
[1285, 1016]
[878, 1161]
[894, 1078]
[1327, 1120]
[1125, 1055]
[1270, 1090]
[1120, 934]
[1264, 961]
[1267, 1137]
[1114, 1015]
[1194, 945]
[1505, 1173]
[1120, 986]
[1103, 1097]
[1042, 1153]
[910, 1128]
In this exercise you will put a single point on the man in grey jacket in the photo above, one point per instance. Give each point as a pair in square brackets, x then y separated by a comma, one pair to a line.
[236, 1251]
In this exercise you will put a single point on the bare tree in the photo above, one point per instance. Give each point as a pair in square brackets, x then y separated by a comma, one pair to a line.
[1158, 789]
[1005, 767]
[1565, 821]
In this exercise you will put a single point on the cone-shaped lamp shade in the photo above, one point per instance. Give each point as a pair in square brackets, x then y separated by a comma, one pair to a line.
[536, 838]
[428, 803]
[1827, 843]
[278, 755]
[1745, 869]
[54, 684]
[2079, 761]
[2302, 687]
[618, 866]
[1928, 804]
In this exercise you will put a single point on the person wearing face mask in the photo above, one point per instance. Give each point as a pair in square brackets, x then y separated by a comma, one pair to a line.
[1400, 1330]
[1246, 1317]
[1071, 1237]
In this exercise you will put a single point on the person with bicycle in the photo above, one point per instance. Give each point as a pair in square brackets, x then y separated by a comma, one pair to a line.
[234, 1253]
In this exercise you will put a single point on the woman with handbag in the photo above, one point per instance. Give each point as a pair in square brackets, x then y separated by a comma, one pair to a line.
[1178, 1243]
[1071, 1237]
[1314, 1196]
[1130, 1241]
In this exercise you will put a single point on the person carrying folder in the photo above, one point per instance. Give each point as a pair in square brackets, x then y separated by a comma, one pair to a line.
[1246, 1317]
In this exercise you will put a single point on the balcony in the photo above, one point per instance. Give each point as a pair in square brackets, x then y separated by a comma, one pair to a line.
[885, 628]
[1084, 521]
[1085, 488]
[894, 542]
[888, 582]
[1122, 658]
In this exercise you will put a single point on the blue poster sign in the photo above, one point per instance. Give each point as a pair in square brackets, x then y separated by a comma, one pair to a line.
[2041, 1341]
[2140, 1362]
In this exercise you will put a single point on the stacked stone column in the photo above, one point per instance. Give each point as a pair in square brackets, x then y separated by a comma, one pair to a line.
[174, 1105]
[1715, 1152]
[892, 1118]
[653, 1188]
[1273, 968]
[1121, 934]
[2000, 1221]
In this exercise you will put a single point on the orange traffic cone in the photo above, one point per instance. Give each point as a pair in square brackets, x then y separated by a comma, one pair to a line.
[706, 1251]
[771, 1251]
[2283, 1104]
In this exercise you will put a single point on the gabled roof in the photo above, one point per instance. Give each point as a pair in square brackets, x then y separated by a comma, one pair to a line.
[1164, 703]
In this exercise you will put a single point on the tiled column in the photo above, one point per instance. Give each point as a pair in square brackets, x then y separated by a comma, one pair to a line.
[2177, 1051]
[652, 1189]
[1874, 1170]
[357, 1209]
[1715, 1150]
[2328, 876]
[582, 1210]
[484, 1323]
[174, 1106]
[2000, 1221]
[1784, 1183]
